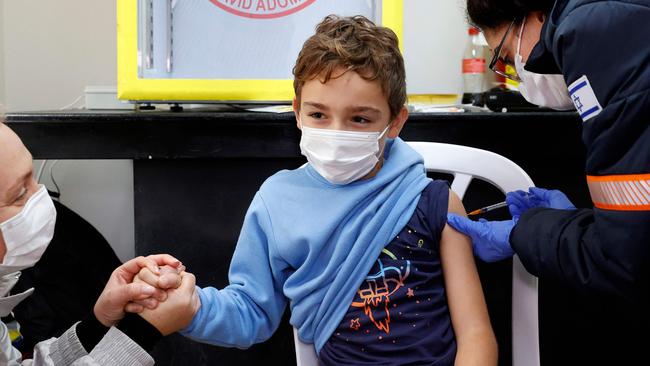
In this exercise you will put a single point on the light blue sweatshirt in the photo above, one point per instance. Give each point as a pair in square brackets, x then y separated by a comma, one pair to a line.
[310, 243]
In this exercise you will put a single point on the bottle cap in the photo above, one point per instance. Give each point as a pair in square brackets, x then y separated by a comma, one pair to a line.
[473, 31]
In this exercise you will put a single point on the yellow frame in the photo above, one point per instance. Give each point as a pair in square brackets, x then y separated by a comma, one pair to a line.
[130, 87]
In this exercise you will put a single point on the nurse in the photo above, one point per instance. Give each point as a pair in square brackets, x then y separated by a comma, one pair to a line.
[593, 56]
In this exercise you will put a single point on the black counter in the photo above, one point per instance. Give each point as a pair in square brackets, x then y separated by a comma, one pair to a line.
[195, 173]
[192, 135]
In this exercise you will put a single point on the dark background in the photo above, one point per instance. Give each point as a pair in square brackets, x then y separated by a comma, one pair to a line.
[195, 174]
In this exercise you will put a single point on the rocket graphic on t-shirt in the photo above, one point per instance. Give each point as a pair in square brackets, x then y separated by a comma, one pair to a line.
[376, 293]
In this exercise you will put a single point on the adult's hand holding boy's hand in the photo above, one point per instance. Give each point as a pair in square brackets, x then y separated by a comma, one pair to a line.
[120, 291]
[177, 311]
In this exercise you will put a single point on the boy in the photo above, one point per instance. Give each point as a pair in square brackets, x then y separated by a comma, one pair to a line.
[356, 242]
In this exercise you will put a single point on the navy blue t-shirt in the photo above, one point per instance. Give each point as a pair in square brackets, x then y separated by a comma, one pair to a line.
[399, 315]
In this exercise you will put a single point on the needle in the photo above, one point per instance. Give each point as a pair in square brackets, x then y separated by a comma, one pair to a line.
[488, 208]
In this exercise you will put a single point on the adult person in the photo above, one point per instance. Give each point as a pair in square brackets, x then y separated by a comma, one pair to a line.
[58, 302]
[600, 50]
[105, 336]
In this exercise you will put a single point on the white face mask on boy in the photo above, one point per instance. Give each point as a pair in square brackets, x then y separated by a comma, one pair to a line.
[339, 156]
[544, 90]
[28, 234]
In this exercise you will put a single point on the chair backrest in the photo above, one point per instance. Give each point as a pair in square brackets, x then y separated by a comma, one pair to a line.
[305, 352]
[466, 163]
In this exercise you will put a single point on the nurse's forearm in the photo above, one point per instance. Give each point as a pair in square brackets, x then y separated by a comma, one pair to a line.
[600, 250]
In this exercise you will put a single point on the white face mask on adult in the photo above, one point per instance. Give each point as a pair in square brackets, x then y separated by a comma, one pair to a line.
[544, 90]
[341, 157]
[28, 234]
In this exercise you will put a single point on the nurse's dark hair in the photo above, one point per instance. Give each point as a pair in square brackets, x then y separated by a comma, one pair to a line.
[354, 44]
[488, 14]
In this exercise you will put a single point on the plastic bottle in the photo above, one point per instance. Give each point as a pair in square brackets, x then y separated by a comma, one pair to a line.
[474, 68]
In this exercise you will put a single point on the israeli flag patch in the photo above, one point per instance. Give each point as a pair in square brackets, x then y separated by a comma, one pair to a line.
[584, 98]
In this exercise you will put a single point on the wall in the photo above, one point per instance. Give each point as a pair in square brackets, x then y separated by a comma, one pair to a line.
[435, 33]
[51, 51]
[101, 191]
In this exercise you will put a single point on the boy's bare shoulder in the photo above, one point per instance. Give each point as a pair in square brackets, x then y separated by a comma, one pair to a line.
[455, 204]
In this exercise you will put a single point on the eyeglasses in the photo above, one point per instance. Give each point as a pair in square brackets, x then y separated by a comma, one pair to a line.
[497, 57]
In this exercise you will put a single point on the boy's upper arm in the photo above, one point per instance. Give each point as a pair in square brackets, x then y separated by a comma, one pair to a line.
[455, 204]
[463, 287]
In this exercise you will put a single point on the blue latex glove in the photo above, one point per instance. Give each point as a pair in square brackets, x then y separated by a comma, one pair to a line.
[490, 239]
[520, 201]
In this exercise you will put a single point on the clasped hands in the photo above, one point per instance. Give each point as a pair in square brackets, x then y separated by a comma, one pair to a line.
[156, 287]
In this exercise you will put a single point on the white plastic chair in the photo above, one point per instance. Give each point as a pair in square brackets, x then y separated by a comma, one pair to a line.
[466, 163]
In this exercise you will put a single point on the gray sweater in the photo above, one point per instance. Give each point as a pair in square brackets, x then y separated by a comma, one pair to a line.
[114, 349]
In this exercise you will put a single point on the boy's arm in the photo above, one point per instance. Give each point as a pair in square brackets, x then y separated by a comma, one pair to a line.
[474, 337]
[248, 310]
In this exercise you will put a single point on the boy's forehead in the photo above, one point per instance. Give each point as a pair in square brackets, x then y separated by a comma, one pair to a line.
[347, 88]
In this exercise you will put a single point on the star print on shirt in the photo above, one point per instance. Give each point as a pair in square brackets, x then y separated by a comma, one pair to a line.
[355, 324]
[410, 293]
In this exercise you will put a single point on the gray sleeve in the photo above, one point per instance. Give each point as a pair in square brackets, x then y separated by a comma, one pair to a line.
[114, 349]
[61, 351]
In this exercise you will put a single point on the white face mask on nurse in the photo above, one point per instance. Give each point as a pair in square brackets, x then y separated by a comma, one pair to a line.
[512, 44]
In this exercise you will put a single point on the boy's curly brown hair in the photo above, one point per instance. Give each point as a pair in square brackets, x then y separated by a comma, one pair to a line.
[357, 44]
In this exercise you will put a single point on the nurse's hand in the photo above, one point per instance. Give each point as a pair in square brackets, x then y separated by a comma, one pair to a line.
[490, 239]
[178, 310]
[120, 291]
[520, 201]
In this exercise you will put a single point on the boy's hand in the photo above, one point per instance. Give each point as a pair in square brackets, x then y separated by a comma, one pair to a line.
[178, 310]
[120, 291]
[168, 277]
